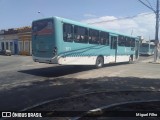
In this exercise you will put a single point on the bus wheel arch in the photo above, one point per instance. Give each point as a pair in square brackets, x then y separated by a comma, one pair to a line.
[99, 61]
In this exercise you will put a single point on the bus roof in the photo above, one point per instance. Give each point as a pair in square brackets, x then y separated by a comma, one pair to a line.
[86, 25]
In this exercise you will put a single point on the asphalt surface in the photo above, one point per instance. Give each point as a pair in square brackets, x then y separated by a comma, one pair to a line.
[24, 83]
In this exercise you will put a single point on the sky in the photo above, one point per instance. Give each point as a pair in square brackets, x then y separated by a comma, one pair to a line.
[19, 13]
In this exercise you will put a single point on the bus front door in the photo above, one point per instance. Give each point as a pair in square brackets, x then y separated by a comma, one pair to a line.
[113, 47]
[137, 50]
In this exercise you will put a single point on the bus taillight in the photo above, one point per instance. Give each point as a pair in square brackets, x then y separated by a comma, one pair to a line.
[55, 51]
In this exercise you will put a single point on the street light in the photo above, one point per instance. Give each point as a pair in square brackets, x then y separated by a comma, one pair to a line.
[39, 12]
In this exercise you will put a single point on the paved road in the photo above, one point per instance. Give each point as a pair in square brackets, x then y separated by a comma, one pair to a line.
[24, 83]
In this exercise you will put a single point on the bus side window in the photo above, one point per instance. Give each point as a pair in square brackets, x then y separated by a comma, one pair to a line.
[128, 42]
[93, 36]
[67, 32]
[102, 38]
[121, 40]
[80, 34]
[132, 42]
[107, 38]
[152, 46]
[113, 42]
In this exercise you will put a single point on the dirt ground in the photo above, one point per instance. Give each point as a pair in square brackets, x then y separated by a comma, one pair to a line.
[91, 98]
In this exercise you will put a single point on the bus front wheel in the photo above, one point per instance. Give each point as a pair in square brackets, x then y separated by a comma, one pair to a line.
[99, 62]
[131, 59]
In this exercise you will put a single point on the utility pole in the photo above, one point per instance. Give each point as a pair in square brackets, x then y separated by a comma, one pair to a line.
[156, 35]
[156, 28]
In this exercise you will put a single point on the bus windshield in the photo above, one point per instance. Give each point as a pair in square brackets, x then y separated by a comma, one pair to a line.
[145, 45]
[42, 27]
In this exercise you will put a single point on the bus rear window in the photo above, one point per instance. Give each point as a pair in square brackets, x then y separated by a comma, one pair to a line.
[42, 27]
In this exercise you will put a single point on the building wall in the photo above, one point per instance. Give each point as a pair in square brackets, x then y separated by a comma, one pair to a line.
[8, 42]
[25, 43]
[17, 40]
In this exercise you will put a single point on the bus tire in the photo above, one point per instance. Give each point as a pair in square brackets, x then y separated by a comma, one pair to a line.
[131, 59]
[99, 62]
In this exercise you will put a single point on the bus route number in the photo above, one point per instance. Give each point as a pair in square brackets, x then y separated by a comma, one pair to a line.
[68, 48]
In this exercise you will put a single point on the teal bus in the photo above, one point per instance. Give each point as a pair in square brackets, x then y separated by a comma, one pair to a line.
[62, 41]
[147, 48]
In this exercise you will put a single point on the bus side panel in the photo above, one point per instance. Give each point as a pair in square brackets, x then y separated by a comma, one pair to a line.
[73, 53]
[58, 36]
[78, 53]
[121, 54]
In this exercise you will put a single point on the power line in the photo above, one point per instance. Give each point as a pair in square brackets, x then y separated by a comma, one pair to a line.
[129, 17]
[150, 4]
[147, 5]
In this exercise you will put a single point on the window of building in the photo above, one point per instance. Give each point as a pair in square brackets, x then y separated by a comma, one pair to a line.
[7, 45]
[67, 32]
[21, 46]
[2, 44]
[11, 46]
[26, 46]
[80, 34]
[94, 36]
[121, 40]
[104, 38]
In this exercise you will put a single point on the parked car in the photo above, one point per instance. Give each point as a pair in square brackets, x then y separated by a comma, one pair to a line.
[2, 52]
[5, 52]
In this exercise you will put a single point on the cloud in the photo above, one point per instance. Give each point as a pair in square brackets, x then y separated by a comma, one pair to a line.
[141, 25]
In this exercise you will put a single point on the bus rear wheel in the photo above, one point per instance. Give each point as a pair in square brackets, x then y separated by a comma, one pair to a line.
[99, 62]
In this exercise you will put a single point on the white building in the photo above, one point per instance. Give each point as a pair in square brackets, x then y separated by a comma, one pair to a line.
[9, 42]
